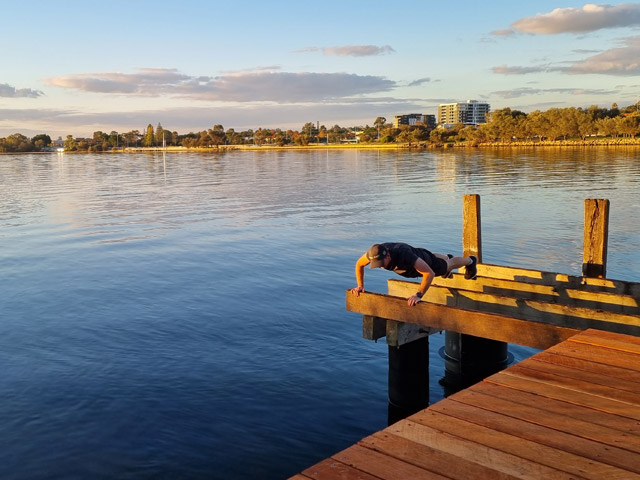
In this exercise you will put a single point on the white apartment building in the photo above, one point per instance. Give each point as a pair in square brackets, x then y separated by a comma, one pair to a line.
[471, 112]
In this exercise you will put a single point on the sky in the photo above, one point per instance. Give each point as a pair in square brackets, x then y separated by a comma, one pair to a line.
[75, 67]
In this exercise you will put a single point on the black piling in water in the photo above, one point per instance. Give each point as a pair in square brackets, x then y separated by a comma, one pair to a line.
[408, 378]
[469, 359]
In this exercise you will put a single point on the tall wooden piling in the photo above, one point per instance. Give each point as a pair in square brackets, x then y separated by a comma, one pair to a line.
[469, 359]
[596, 237]
[471, 227]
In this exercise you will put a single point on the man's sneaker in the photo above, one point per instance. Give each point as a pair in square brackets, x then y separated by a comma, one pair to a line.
[471, 271]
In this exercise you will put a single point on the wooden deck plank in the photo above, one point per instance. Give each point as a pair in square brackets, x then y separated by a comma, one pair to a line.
[331, 469]
[383, 466]
[429, 458]
[477, 452]
[598, 354]
[606, 339]
[619, 373]
[562, 441]
[597, 335]
[571, 412]
[576, 385]
[544, 418]
[559, 407]
[505, 378]
[519, 447]
[595, 353]
[585, 375]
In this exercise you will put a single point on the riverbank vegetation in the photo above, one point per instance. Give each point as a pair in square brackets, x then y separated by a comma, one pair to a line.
[504, 127]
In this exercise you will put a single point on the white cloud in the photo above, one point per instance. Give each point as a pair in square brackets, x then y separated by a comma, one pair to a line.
[358, 50]
[506, 32]
[419, 81]
[505, 70]
[267, 86]
[8, 91]
[350, 50]
[622, 61]
[526, 91]
[589, 18]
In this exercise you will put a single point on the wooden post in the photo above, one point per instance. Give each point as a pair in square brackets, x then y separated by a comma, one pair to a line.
[469, 359]
[596, 233]
[471, 227]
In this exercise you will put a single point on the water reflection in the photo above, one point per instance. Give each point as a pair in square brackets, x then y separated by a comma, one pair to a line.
[204, 294]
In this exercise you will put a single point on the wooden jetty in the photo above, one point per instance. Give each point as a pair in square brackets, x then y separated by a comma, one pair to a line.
[570, 411]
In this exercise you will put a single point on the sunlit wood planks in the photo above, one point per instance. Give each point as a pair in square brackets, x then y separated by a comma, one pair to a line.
[470, 322]
[504, 295]
[558, 414]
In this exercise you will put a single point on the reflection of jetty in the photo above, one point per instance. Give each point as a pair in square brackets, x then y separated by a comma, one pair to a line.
[570, 411]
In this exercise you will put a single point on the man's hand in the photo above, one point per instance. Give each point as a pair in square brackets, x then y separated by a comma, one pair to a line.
[357, 291]
[413, 300]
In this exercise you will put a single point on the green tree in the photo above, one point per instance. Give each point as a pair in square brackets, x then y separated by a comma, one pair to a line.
[149, 138]
[114, 139]
[159, 135]
[629, 125]
[132, 138]
[17, 143]
[70, 144]
[41, 141]
[379, 124]
[217, 135]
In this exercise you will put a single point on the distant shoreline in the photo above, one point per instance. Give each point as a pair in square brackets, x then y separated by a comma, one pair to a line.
[599, 142]
[616, 142]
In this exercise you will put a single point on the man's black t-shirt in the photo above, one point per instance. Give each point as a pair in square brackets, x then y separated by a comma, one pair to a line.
[403, 259]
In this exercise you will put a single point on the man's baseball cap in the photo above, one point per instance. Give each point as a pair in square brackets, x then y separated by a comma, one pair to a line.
[376, 255]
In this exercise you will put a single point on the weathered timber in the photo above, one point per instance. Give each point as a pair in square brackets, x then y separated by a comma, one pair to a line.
[542, 418]
[515, 445]
[401, 333]
[396, 333]
[479, 324]
[373, 328]
[596, 232]
[560, 293]
[469, 358]
[471, 227]
[538, 277]
[550, 313]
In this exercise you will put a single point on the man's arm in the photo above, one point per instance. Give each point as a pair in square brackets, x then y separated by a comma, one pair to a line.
[362, 262]
[427, 277]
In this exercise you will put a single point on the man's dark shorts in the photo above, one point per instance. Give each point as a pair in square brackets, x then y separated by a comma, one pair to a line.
[439, 266]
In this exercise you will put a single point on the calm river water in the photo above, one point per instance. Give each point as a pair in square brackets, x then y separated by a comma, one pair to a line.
[182, 316]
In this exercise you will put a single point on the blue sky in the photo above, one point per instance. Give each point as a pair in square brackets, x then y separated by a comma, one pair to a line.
[72, 67]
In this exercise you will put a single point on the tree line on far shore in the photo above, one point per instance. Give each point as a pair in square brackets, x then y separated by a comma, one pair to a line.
[503, 125]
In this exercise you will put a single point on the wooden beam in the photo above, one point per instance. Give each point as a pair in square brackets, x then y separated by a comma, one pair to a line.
[440, 317]
[373, 328]
[471, 227]
[523, 309]
[596, 233]
[539, 277]
[560, 294]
